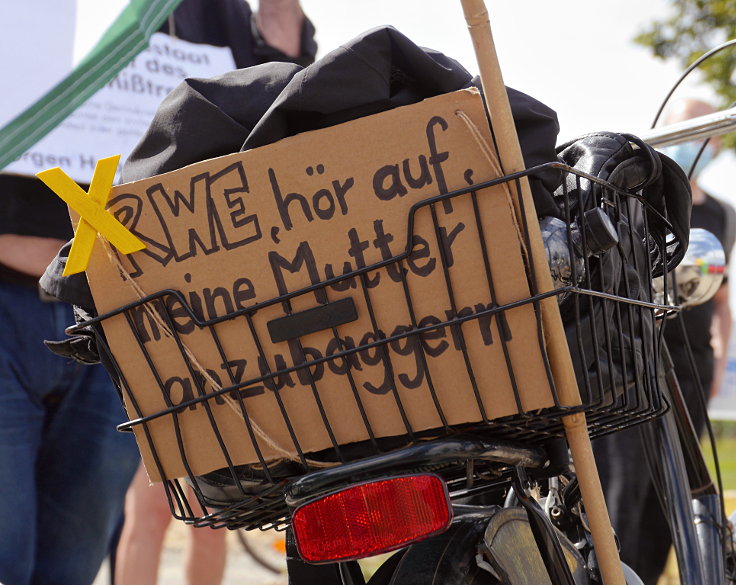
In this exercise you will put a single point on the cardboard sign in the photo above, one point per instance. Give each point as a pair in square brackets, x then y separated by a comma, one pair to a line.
[245, 229]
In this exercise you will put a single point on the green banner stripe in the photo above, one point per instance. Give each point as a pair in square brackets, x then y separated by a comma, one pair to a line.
[132, 29]
[125, 38]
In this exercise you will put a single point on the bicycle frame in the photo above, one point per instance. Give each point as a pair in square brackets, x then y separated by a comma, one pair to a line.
[672, 445]
[696, 511]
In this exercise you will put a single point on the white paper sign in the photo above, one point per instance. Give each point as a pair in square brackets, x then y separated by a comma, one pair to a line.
[723, 405]
[114, 119]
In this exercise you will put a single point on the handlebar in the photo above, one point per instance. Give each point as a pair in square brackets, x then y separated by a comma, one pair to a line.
[698, 128]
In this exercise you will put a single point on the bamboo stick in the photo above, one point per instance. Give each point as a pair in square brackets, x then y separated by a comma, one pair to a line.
[575, 425]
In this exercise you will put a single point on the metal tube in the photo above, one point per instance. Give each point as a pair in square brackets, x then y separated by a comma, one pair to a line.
[698, 128]
[697, 470]
[660, 435]
[708, 522]
[437, 452]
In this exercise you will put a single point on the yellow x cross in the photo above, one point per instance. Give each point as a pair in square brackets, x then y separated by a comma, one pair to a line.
[93, 217]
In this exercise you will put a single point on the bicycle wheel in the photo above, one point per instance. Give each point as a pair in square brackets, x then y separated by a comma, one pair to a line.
[447, 559]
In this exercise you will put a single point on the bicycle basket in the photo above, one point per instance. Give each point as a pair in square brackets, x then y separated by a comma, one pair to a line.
[241, 393]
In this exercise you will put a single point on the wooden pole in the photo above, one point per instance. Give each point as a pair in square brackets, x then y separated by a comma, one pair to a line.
[511, 160]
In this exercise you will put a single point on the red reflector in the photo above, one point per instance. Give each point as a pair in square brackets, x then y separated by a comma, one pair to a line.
[372, 518]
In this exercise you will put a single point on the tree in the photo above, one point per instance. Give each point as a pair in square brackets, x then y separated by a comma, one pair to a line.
[694, 28]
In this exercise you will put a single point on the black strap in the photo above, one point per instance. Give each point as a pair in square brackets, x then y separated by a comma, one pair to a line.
[302, 573]
[12, 276]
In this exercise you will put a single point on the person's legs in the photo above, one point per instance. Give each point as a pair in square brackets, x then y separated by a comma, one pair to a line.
[26, 374]
[64, 466]
[147, 517]
[655, 547]
[84, 468]
[21, 421]
[206, 556]
[633, 505]
[625, 480]
[112, 550]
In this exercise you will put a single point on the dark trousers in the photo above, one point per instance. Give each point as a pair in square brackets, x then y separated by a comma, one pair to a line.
[633, 504]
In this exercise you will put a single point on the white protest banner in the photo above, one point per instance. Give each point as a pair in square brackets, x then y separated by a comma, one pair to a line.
[723, 405]
[56, 54]
[115, 118]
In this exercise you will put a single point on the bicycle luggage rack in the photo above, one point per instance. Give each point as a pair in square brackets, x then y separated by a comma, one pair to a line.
[610, 329]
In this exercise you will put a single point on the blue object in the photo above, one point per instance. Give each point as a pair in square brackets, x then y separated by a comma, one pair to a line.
[64, 468]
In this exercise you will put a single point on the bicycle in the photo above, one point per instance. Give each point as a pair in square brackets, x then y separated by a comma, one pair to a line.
[470, 463]
[489, 486]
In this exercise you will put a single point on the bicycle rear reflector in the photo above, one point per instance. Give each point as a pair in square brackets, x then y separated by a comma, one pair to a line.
[372, 518]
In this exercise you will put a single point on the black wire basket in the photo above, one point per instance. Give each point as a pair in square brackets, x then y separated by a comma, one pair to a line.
[603, 254]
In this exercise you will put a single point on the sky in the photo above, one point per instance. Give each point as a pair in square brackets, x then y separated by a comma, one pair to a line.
[576, 56]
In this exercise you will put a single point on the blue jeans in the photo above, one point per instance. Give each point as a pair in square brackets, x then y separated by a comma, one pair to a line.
[64, 468]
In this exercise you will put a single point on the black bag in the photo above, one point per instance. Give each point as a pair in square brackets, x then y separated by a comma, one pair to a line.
[247, 108]
[611, 361]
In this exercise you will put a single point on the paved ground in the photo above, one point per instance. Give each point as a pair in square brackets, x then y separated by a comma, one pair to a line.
[240, 569]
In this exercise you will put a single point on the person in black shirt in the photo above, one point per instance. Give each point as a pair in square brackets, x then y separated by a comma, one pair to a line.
[708, 325]
[65, 466]
[633, 503]
[277, 32]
